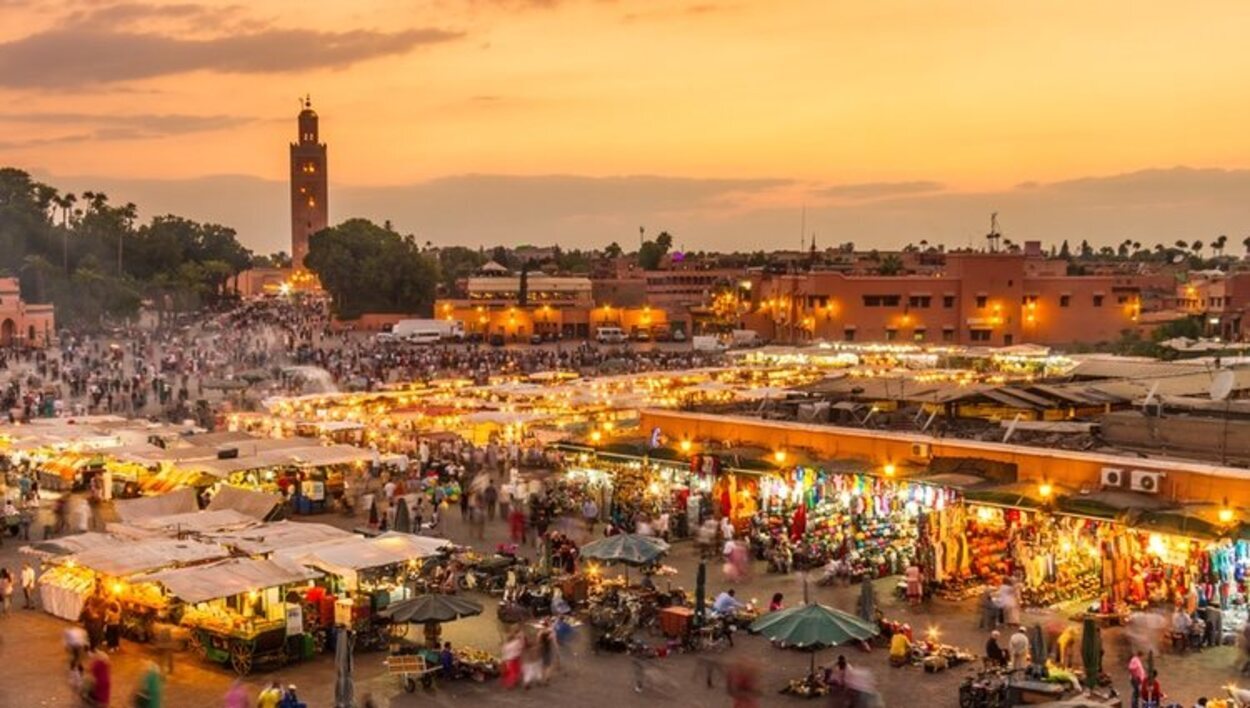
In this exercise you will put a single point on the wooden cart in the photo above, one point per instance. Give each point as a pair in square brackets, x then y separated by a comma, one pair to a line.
[242, 651]
[410, 669]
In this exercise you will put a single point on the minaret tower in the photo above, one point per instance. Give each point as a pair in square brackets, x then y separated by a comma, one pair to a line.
[309, 192]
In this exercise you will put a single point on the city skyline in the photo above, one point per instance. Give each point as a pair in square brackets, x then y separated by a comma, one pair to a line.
[721, 123]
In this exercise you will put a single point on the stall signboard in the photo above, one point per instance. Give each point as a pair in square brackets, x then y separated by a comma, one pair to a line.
[315, 490]
[294, 620]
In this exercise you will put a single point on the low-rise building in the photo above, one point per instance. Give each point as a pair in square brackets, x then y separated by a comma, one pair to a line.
[23, 324]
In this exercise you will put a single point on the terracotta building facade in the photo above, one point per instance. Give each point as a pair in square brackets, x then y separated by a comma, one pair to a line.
[978, 298]
[23, 324]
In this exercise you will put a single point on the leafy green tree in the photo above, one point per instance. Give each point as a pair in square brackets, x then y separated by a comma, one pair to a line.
[366, 268]
[891, 264]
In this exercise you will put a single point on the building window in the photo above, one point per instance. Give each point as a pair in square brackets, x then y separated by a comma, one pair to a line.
[1028, 299]
[882, 300]
[891, 335]
[948, 301]
[979, 335]
[1065, 300]
[1008, 339]
[848, 334]
[982, 301]
[1098, 300]
[921, 301]
[918, 335]
[948, 334]
[312, 201]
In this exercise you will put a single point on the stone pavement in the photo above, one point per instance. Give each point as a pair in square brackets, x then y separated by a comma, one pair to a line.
[33, 672]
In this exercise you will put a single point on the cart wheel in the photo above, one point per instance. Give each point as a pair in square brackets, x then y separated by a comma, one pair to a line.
[198, 647]
[241, 658]
[410, 685]
[427, 681]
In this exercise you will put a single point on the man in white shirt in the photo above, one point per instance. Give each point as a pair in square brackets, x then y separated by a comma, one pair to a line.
[726, 528]
[28, 585]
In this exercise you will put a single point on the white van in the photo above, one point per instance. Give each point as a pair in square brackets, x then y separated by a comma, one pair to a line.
[425, 337]
[707, 343]
[609, 335]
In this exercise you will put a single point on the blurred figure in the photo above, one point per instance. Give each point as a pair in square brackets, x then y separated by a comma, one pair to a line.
[741, 681]
[151, 690]
[1018, 647]
[99, 687]
[236, 696]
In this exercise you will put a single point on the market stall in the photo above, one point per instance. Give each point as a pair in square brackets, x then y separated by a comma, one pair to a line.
[113, 569]
[242, 611]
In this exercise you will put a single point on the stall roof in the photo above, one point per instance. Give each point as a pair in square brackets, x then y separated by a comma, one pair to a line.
[179, 501]
[324, 456]
[268, 538]
[229, 577]
[360, 553]
[195, 522]
[67, 545]
[250, 503]
[127, 558]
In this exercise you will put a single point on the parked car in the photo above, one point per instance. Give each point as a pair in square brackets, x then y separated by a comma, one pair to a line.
[536, 338]
[497, 340]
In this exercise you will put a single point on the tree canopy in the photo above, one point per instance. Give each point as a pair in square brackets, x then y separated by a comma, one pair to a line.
[91, 258]
[368, 268]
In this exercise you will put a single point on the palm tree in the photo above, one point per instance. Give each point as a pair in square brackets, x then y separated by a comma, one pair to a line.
[1217, 246]
[1245, 243]
[1182, 245]
[1197, 246]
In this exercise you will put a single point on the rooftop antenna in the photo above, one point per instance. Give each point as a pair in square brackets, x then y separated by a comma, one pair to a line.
[802, 227]
[993, 236]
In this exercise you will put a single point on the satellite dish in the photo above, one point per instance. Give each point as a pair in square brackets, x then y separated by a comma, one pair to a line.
[1222, 385]
[1178, 258]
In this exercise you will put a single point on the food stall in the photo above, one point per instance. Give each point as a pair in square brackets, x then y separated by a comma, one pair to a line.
[114, 568]
[242, 611]
[366, 575]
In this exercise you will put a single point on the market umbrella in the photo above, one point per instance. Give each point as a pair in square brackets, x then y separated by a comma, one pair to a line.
[1037, 646]
[813, 627]
[431, 611]
[403, 522]
[627, 548]
[344, 684]
[867, 601]
[1091, 651]
[700, 594]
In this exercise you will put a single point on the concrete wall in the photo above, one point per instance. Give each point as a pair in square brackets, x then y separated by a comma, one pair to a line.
[1184, 480]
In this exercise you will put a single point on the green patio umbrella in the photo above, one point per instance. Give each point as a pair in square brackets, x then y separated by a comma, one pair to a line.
[626, 548]
[1091, 651]
[700, 594]
[813, 627]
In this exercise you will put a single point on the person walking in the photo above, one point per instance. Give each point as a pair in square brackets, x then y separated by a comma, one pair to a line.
[113, 624]
[6, 591]
[1137, 677]
[151, 690]
[491, 496]
[1018, 646]
[28, 586]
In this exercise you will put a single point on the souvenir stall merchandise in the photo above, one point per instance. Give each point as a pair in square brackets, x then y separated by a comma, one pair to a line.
[868, 525]
[927, 651]
[625, 490]
[1055, 559]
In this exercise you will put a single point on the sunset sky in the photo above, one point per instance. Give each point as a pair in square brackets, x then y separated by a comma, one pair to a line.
[479, 121]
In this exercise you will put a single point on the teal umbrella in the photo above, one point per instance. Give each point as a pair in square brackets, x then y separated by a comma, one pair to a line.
[626, 548]
[1091, 651]
[813, 627]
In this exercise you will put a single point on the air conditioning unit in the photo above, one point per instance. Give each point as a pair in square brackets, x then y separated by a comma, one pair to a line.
[920, 450]
[1145, 481]
[1112, 477]
[227, 453]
